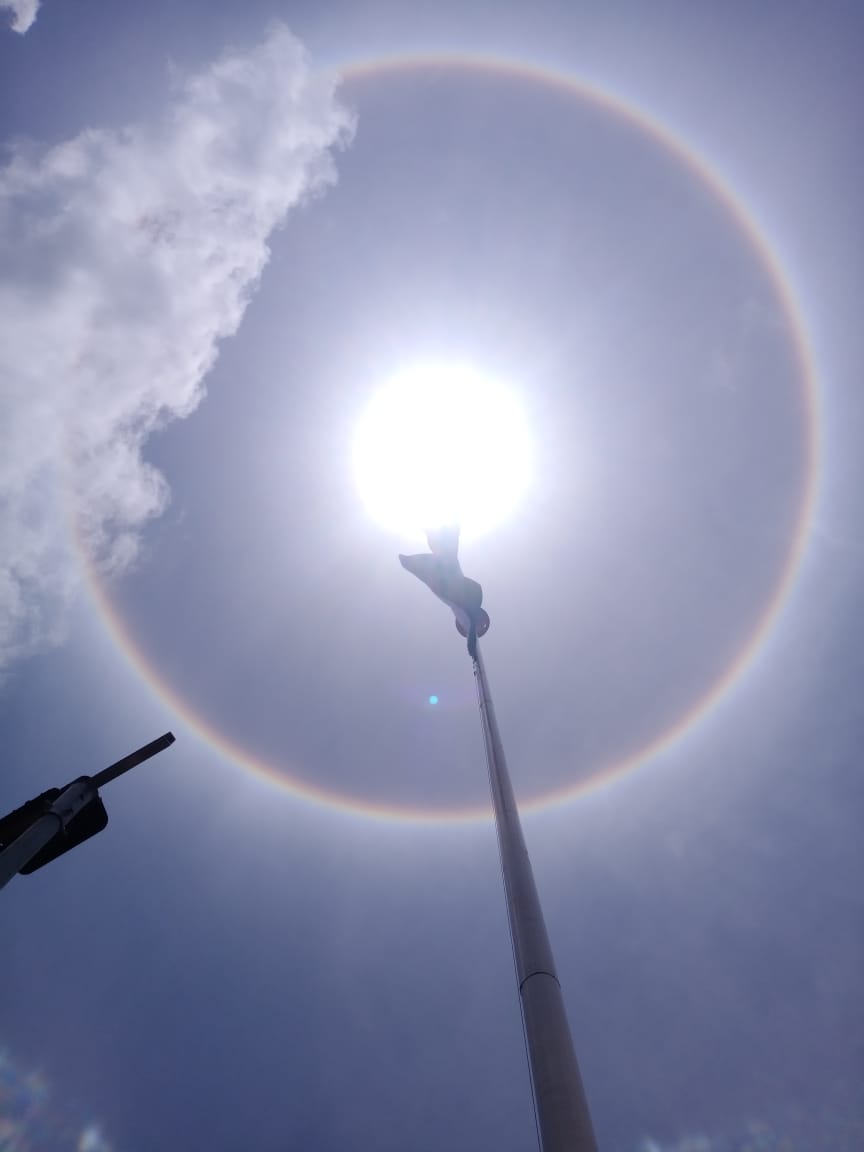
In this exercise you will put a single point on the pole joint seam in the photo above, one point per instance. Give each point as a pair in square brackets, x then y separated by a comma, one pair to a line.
[539, 972]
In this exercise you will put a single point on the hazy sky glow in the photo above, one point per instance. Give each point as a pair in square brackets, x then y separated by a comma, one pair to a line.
[224, 232]
[576, 456]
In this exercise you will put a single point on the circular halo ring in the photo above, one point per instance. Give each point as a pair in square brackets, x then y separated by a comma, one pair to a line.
[304, 789]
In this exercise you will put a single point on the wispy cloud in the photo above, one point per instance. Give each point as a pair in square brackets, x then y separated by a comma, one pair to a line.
[23, 13]
[92, 1140]
[125, 258]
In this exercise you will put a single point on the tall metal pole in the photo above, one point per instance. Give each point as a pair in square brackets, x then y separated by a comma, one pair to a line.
[563, 1119]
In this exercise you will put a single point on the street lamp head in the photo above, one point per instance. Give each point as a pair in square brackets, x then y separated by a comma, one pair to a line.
[441, 572]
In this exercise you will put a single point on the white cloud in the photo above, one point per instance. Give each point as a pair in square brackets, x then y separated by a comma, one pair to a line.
[125, 257]
[23, 13]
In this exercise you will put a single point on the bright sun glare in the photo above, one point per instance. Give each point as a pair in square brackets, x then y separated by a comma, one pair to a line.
[442, 444]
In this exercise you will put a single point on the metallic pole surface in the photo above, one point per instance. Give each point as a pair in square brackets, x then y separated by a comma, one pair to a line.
[563, 1119]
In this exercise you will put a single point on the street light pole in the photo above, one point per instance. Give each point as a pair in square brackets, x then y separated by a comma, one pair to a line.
[61, 818]
[45, 828]
[561, 1109]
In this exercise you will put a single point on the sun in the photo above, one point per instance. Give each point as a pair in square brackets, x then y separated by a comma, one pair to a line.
[442, 444]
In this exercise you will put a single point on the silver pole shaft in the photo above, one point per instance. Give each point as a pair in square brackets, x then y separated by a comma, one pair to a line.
[563, 1119]
[21, 851]
[67, 805]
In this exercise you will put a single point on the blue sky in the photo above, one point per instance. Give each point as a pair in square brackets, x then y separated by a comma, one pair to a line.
[211, 257]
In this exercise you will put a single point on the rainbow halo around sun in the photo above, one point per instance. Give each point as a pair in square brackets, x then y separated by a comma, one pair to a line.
[442, 444]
